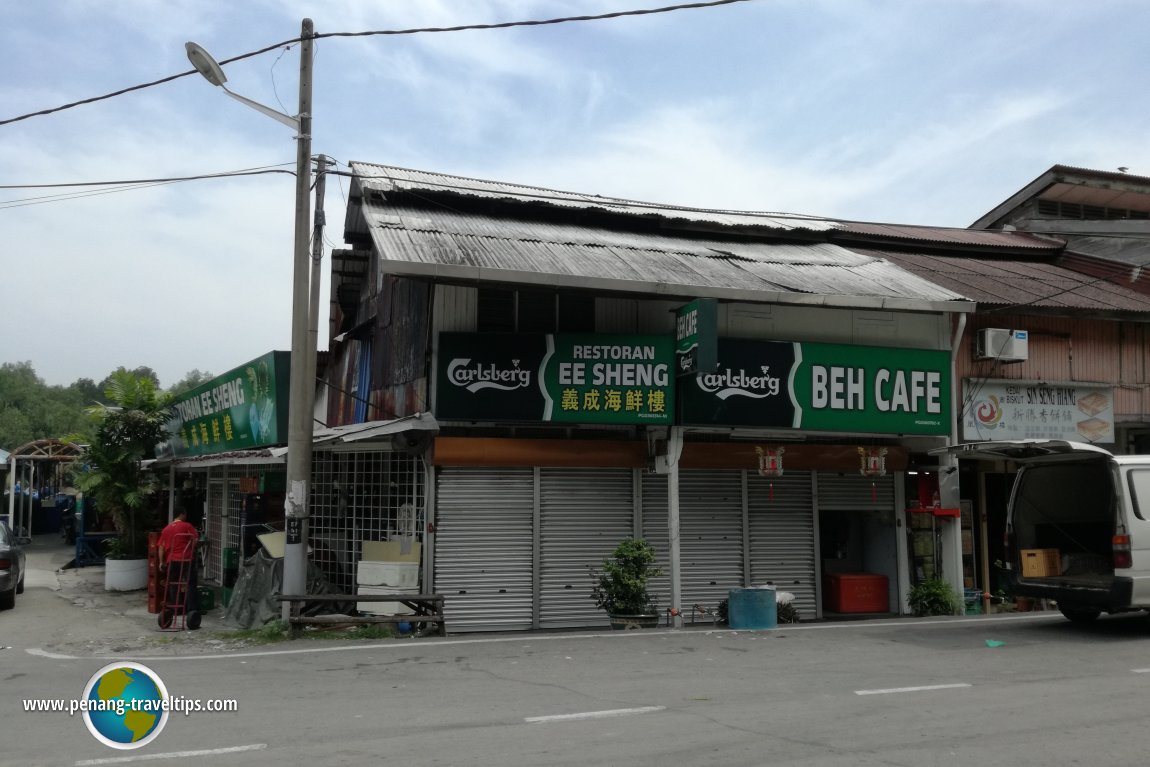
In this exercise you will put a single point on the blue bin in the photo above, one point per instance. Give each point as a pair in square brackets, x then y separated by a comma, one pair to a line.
[752, 608]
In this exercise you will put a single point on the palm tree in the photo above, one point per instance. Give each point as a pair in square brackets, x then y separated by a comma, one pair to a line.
[120, 437]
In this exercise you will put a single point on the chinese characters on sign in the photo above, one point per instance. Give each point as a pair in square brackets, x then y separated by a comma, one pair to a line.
[1032, 410]
[571, 378]
[235, 411]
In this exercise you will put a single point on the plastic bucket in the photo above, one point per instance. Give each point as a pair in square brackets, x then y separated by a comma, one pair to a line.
[752, 608]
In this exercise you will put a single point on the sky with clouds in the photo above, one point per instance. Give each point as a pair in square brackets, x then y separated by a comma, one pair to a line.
[898, 111]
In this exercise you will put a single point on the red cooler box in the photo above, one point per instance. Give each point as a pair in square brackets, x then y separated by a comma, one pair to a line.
[855, 593]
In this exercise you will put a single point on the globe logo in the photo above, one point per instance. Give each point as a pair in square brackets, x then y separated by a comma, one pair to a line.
[124, 705]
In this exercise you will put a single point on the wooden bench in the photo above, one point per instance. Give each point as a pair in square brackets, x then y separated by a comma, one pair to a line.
[428, 609]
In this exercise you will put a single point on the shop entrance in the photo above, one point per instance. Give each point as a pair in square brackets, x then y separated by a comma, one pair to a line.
[858, 546]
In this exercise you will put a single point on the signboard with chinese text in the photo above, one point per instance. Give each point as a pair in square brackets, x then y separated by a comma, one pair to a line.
[238, 410]
[1029, 409]
[821, 387]
[558, 378]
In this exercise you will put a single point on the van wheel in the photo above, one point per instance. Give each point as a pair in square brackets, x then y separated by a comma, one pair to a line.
[1080, 614]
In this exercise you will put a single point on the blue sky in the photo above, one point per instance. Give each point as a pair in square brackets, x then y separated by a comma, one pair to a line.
[906, 111]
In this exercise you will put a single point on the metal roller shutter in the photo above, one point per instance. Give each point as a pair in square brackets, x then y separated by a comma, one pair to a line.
[583, 514]
[710, 535]
[483, 547]
[654, 489]
[849, 492]
[782, 529]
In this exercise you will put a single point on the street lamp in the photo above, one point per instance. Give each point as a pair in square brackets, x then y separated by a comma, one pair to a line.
[302, 388]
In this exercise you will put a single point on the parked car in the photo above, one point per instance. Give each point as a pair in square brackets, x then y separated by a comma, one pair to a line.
[11, 568]
[1077, 525]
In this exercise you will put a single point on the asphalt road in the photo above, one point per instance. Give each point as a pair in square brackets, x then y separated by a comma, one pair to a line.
[832, 694]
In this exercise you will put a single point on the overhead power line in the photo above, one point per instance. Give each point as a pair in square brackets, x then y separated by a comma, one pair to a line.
[415, 31]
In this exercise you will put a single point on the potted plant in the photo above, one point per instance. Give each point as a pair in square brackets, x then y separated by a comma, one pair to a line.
[933, 596]
[120, 437]
[621, 585]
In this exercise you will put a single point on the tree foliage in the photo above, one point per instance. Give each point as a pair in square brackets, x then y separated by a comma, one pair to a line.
[118, 437]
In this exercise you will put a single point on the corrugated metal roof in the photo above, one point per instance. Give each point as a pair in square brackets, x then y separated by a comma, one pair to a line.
[995, 281]
[944, 235]
[446, 243]
[386, 178]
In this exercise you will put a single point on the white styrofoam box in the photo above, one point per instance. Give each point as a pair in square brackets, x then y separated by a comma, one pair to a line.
[382, 608]
[404, 575]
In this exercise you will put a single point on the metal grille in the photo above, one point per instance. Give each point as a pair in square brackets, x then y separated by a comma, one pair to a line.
[215, 523]
[782, 529]
[710, 535]
[484, 521]
[583, 514]
[362, 496]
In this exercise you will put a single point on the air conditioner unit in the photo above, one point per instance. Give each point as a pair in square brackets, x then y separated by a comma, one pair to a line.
[1002, 345]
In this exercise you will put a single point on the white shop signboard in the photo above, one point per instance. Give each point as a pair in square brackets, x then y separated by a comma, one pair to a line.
[994, 410]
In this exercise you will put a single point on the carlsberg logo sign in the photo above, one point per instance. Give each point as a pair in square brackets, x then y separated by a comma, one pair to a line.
[479, 376]
[730, 383]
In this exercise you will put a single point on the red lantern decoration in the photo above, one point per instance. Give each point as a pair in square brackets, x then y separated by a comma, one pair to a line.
[872, 463]
[771, 465]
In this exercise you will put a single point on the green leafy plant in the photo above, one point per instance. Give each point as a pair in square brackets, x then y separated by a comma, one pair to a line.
[787, 613]
[118, 439]
[934, 596]
[621, 585]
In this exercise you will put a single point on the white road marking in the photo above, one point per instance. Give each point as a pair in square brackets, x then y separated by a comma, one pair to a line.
[594, 714]
[52, 655]
[912, 689]
[171, 755]
[1141, 671]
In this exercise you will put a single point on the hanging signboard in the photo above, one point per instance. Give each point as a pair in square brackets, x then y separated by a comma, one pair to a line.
[1029, 409]
[821, 387]
[560, 378]
[696, 336]
[236, 411]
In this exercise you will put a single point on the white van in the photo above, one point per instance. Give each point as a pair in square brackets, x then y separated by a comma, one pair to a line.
[1077, 526]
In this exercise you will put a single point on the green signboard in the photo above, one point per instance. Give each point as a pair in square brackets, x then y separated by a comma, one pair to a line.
[559, 378]
[696, 336]
[236, 411]
[822, 387]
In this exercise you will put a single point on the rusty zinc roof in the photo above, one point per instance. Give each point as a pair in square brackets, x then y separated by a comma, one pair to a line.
[1018, 282]
[416, 230]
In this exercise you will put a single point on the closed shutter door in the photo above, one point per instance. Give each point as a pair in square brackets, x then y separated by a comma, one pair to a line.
[483, 547]
[710, 535]
[854, 492]
[583, 514]
[655, 531]
[782, 528]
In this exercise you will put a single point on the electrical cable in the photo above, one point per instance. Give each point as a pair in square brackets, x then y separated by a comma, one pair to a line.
[415, 31]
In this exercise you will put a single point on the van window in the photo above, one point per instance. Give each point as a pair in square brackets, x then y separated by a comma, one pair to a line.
[1139, 480]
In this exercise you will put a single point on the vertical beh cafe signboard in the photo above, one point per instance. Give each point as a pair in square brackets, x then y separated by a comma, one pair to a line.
[238, 410]
[821, 387]
[556, 378]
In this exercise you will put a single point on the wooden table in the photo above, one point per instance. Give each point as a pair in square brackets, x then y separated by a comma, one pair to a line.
[428, 610]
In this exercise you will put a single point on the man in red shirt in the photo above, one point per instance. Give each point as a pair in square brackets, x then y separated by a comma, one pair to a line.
[177, 557]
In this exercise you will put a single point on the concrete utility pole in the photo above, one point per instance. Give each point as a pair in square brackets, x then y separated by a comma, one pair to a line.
[302, 392]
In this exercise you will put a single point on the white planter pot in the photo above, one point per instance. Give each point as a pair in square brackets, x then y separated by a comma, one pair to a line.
[125, 574]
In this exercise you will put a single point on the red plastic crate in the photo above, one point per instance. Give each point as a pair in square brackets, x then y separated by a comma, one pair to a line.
[856, 593]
